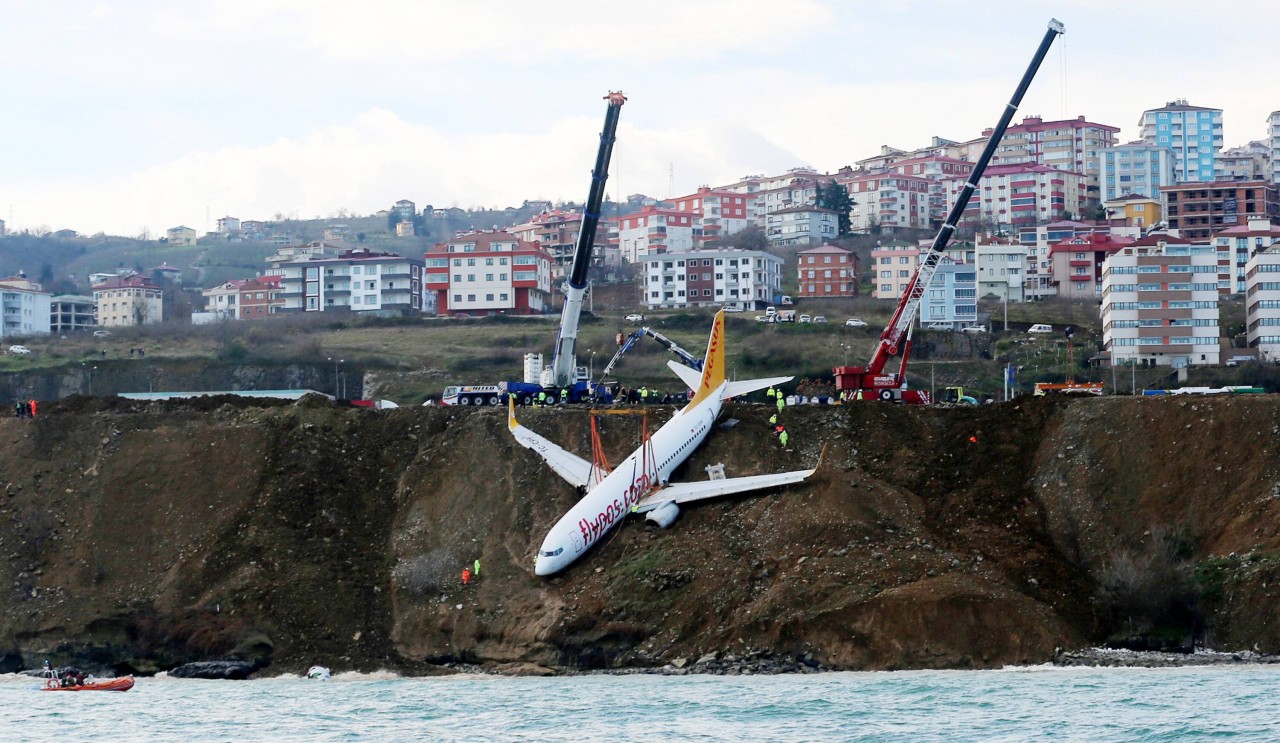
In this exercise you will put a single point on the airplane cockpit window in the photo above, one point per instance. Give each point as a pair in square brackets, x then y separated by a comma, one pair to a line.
[552, 553]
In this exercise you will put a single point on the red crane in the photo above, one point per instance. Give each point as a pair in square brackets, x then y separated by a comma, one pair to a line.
[872, 382]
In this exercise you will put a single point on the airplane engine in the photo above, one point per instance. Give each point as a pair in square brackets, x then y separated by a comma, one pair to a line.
[663, 516]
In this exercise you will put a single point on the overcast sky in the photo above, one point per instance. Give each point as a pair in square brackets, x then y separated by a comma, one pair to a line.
[125, 115]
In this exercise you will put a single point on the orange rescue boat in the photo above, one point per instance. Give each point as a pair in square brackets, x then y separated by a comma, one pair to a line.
[124, 683]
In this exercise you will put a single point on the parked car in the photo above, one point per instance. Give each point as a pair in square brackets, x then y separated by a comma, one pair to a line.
[974, 329]
[634, 317]
[101, 333]
[806, 318]
[854, 322]
[20, 350]
[732, 308]
[765, 318]
[1040, 328]
[819, 318]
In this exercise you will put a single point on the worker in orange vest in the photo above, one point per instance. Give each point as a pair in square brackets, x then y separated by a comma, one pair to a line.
[33, 408]
[466, 576]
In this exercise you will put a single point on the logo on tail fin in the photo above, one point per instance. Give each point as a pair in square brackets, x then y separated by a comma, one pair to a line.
[713, 364]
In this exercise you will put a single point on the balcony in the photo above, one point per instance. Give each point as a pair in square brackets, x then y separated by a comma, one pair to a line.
[1080, 264]
[1084, 277]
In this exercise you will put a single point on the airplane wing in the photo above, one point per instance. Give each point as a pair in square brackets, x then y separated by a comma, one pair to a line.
[692, 491]
[574, 469]
[737, 389]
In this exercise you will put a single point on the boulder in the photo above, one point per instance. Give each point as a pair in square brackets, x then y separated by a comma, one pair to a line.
[233, 670]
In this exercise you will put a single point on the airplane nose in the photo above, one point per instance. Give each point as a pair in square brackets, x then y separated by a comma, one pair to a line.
[542, 566]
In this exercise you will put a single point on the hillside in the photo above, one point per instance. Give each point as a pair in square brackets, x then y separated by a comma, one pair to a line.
[141, 536]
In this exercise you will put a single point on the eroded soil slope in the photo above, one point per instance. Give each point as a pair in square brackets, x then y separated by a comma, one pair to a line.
[139, 536]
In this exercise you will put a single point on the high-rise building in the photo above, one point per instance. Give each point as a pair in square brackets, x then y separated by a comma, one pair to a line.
[1074, 145]
[749, 279]
[1193, 132]
[1273, 141]
[1160, 305]
[489, 273]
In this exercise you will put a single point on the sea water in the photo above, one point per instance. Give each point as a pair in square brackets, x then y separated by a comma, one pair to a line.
[1024, 704]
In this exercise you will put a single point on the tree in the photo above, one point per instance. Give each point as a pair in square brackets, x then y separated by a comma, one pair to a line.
[835, 197]
[46, 273]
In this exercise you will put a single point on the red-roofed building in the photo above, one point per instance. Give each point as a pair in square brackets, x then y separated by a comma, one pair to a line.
[937, 169]
[827, 271]
[654, 230]
[1076, 264]
[1071, 145]
[719, 212]
[557, 232]
[489, 273]
[891, 201]
[125, 301]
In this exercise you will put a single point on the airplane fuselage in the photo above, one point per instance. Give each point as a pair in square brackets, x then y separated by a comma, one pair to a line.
[612, 499]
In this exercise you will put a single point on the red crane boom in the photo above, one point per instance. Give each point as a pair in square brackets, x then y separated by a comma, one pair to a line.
[871, 381]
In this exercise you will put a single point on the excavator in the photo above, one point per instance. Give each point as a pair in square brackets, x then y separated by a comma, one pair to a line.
[873, 382]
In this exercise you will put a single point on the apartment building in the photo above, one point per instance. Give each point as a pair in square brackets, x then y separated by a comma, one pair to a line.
[223, 301]
[1236, 245]
[1199, 210]
[1019, 196]
[1001, 270]
[228, 225]
[24, 307]
[1250, 162]
[1071, 145]
[125, 301]
[937, 169]
[1160, 305]
[557, 231]
[749, 279]
[260, 297]
[1136, 168]
[1077, 264]
[69, 313]
[892, 266]
[362, 280]
[1273, 143]
[1262, 303]
[890, 201]
[826, 271]
[799, 192]
[719, 212]
[950, 301]
[654, 231]
[489, 273]
[801, 225]
[181, 235]
[1194, 133]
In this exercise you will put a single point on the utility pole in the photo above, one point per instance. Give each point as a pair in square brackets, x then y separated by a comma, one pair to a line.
[1133, 377]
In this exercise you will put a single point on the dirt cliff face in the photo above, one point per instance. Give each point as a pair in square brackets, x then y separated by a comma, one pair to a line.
[139, 536]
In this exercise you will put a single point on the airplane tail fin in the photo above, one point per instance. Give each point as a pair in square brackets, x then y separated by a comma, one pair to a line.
[713, 364]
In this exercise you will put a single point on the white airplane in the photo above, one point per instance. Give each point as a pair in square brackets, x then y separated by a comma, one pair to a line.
[640, 483]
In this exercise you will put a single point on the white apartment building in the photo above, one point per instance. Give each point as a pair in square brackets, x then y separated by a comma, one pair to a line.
[892, 267]
[890, 201]
[24, 308]
[1236, 245]
[1273, 141]
[488, 273]
[656, 231]
[749, 279]
[801, 225]
[1160, 305]
[222, 300]
[1262, 303]
[1002, 270]
[357, 280]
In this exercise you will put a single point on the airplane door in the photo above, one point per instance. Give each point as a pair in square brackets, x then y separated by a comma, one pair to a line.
[575, 538]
